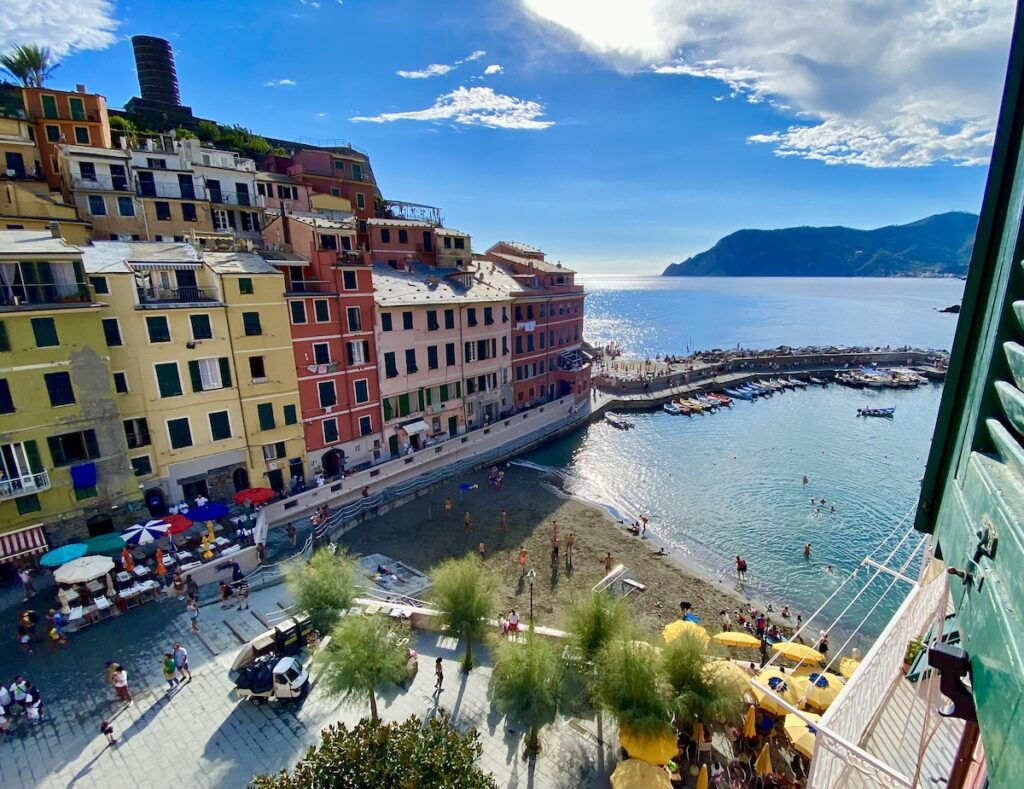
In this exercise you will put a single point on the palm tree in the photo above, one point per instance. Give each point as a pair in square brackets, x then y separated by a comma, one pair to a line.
[30, 64]
[364, 652]
[466, 593]
[698, 693]
[324, 586]
[629, 684]
[527, 683]
[594, 621]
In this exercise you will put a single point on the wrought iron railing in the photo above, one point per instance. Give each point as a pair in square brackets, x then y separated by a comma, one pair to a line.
[25, 485]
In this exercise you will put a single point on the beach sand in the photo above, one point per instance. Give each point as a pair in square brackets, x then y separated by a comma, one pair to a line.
[419, 534]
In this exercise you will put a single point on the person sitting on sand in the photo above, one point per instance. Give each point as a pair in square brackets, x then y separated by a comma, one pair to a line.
[384, 570]
[634, 529]
[661, 552]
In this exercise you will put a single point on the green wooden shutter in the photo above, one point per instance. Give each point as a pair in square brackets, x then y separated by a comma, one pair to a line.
[92, 448]
[265, 412]
[444, 393]
[5, 343]
[420, 395]
[429, 398]
[458, 388]
[35, 463]
[45, 331]
[290, 417]
[225, 372]
[197, 379]
[403, 404]
[387, 409]
[56, 450]
[167, 380]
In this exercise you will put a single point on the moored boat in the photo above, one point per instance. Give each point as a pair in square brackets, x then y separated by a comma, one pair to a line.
[818, 381]
[721, 398]
[694, 405]
[671, 408]
[739, 393]
[797, 383]
[876, 411]
[617, 421]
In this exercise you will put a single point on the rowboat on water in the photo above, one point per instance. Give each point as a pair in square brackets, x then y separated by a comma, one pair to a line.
[721, 398]
[617, 421]
[771, 386]
[684, 409]
[671, 408]
[876, 411]
[798, 383]
[739, 393]
[818, 381]
[694, 405]
[708, 402]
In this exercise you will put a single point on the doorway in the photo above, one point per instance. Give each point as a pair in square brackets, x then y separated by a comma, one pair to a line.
[331, 463]
[240, 479]
[99, 524]
[192, 490]
[275, 479]
[156, 502]
[453, 426]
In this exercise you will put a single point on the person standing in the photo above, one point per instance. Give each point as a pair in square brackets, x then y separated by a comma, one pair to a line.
[5, 700]
[439, 673]
[467, 520]
[19, 692]
[261, 553]
[482, 550]
[25, 574]
[570, 541]
[608, 562]
[107, 730]
[242, 594]
[503, 523]
[293, 536]
[180, 655]
[226, 594]
[741, 570]
[170, 669]
[120, 679]
[807, 551]
[448, 506]
[193, 613]
[554, 550]
[522, 560]
[178, 585]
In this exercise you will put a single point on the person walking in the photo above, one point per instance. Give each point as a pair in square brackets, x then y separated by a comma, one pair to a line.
[193, 613]
[180, 655]
[503, 523]
[522, 560]
[439, 673]
[448, 506]
[25, 575]
[170, 669]
[178, 585]
[554, 550]
[107, 730]
[19, 692]
[608, 562]
[226, 594]
[5, 701]
[482, 550]
[120, 679]
[467, 520]
[293, 535]
[242, 593]
[741, 570]
[570, 541]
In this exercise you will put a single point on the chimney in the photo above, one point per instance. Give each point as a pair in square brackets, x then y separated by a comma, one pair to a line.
[80, 88]
[54, 229]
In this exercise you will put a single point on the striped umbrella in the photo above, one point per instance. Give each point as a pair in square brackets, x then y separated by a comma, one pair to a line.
[142, 533]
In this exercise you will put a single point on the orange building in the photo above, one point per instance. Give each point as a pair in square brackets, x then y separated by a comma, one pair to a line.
[61, 116]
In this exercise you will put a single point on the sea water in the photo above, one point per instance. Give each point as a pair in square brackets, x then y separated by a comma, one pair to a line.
[731, 483]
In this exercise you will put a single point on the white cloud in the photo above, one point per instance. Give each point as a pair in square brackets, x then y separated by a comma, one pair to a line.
[62, 25]
[474, 107]
[310, 3]
[476, 54]
[494, 69]
[280, 83]
[433, 70]
[866, 82]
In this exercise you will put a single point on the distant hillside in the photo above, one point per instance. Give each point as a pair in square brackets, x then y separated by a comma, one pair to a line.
[939, 245]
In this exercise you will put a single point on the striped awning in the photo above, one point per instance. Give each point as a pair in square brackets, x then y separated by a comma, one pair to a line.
[164, 265]
[23, 542]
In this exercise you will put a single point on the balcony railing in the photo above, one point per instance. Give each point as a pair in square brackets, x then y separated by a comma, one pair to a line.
[22, 174]
[174, 191]
[33, 295]
[220, 197]
[174, 295]
[102, 183]
[309, 286]
[14, 487]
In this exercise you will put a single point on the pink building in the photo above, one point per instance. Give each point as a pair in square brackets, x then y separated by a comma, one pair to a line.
[444, 356]
[399, 241]
[276, 192]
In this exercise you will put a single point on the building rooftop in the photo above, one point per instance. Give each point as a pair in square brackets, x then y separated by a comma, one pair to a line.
[449, 231]
[88, 150]
[400, 223]
[238, 263]
[325, 223]
[428, 285]
[34, 242]
[263, 175]
[522, 247]
[112, 257]
[539, 265]
[278, 258]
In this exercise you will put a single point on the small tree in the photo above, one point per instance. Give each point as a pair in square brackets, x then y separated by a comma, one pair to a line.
[698, 693]
[527, 683]
[594, 621]
[363, 653]
[628, 683]
[466, 593]
[30, 64]
[403, 755]
[324, 586]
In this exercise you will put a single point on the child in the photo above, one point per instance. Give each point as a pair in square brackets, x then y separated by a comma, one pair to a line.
[439, 673]
[482, 549]
[107, 730]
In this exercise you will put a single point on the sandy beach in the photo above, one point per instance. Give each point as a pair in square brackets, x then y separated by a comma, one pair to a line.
[420, 534]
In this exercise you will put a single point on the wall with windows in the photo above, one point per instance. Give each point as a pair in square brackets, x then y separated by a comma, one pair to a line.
[99, 183]
[65, 117]
[28, 206]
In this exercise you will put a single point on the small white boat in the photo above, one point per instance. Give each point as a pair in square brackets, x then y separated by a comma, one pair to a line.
[617, 421]
[671, 408]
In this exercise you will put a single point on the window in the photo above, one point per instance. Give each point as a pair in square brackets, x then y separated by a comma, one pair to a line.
[432, 357]
[142, 466]
[504, 346]
[390, 368]
[45, 331]
[248, 224]
[365, 425]
[273, 451]
[358, 352]
[49, 106]
[27, 504]
[335, 192]
[257, 368]
[488, 316]
[339, 165]
[432, 324]
[460, 243]
[385, 235]
[6, 402]
[354, 321]
[53, 133]
[447, 242]
[82, 135]
[188, 212]
[251, 322]
[519, 343]
[403, 236]
[385, 321]
[179, 431]
[529, 343]
[97, 205]
[125, 206]
[112, 332]
[298, 309]
[321, 310]
[360, 200]
[410, 361]
[220, 426]
[159, 330]
[121, 383]
[504, 314]
[245, 286]
[471, 316]
[58, 386]
[542, 341]
[290, 415]
[167, 379]
[449, 319]
[156, 164]
[349, 280]
[407, 320]
[469, 352]
[328, 394]
[265, 413]
[201, 328]
[136, 432]
[330, 430]
[321, 353]
[362, 390]
[71, 448]
[362, 226]
[449, 354]
[163, 210]
[210, 374]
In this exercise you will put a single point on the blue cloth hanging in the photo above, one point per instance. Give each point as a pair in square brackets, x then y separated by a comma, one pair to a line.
[83, 476]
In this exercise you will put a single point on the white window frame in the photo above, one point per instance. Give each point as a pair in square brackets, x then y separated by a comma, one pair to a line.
[291, 314]
[209, 372]
[231, 427]
[102, 199]
[127, 384]
[348, 318]
[131, 202]
[170, 333]
[346, 287]
[326, 345]
[152, 468]
[328, 303]
[156, 379]
[191, 328]
[334, 386]
[360, 351]
[272, 456]
[355, 396]
[471, 356]
[369, 419]
[337, 432]
[167, 429]
[220, 219]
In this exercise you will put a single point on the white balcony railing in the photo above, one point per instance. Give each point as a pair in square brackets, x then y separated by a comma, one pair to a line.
[14, 487]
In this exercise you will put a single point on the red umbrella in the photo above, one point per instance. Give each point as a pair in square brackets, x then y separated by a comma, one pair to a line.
[178, 523]
[255, 496]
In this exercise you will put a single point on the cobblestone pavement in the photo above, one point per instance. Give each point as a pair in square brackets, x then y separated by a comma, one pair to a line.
[200, 736]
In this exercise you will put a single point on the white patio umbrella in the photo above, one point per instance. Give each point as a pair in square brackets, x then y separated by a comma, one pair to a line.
[143, 533]
[83, 570]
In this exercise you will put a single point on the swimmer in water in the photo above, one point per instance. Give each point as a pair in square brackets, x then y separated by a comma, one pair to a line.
[829, 570]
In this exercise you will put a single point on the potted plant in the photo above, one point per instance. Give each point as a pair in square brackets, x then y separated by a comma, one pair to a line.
[914, 648]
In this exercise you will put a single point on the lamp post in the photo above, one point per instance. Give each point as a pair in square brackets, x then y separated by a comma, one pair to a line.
[530, 576]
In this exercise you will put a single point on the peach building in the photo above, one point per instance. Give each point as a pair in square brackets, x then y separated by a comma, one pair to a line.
[61, 116]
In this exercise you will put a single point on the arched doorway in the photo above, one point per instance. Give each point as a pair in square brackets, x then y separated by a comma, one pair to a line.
[99, 524]
[156, 502]
[331, 463]
[240, 479]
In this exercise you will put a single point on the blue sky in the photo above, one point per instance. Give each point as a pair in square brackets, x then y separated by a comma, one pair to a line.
[619, 137]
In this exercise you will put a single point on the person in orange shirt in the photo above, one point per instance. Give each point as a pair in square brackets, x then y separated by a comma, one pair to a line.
[126, 560]
[161, 571]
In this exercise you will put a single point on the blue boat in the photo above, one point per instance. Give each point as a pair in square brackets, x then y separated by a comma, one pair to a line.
[708, 402]
[739, 393]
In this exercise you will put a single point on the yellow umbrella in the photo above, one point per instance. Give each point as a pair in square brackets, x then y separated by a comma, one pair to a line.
[847, 666]
[673, 630]
[728, 672]
[821, 689]
[801, 653]
[763, 765]
[651, 748]
[637, 774]
[785, 686]
[698, 732]
[749, 728]
[702, 778]
[733, 639]
[800, 734]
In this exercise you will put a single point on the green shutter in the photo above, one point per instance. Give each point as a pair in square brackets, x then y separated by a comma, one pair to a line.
[225, 372]
[265, 412]
[458, 389]
[421, 399]
[290, 417]
[429, 398]
[56, 450]
[35, 463]
[167, 379]
[444, 393]
[197, 379]
[5, 343]
[27, 504]
[45, 331]
[403, 404]
[387, 409]
[92, 449]
[279, 449]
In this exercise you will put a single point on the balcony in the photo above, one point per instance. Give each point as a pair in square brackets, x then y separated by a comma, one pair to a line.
[27, 297]
[16, 487]
[22, 174]
[310, 287]
[188, 295]
[219, 197]
[173, 191]
[101, 183]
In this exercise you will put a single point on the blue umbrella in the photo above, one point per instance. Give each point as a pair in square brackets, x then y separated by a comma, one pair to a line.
[106, 544]
[142, 533]
[63, 554]
[209, 512]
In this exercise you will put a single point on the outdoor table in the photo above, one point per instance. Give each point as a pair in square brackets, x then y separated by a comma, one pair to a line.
[94, 586]
[76, 614]
[230, 550]
[123, 577]
[190, 566]
[184, 556]
[169, 561]
[222, 542]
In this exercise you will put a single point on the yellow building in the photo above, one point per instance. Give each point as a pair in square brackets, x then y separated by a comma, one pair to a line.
[62, 447]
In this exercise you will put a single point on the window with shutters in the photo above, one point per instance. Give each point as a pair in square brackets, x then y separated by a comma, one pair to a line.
[298, 309]
[290, 415]
[251, 322]
[167, 379]
[449, 319]
[469, 352]
[265, 414]
[432, 323]
[136, 432]
[179, 433]
[432, 357]
[121, 382]
[142, 465]
[201, 327]
[158, 328]
[449, 354]
[407, 320]
[112, 332]
[390, 366]
[220, 425]
[206, 374]
[443, 393]
[45, 332]
[471, 316]
[385, 235]
[69, 448]
[403, 405]
[6, 401]
[321, 310]
[274, 451]
[330, 430]
[519, 343]
[385, 321]
[358, 352]
[28, 504]
[361, 388]
[328, 393]
[58, 387]
[504, 346]
[410, 361]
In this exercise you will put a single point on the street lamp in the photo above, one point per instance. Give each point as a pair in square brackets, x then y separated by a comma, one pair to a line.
[530, 576]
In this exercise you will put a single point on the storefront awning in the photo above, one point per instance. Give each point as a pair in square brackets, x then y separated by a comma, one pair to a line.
[23, 542]
[415, 427]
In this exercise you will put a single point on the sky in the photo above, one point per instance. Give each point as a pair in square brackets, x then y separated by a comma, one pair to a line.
[618, 136]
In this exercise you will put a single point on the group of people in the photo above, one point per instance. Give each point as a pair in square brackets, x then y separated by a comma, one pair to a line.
[28, 629]
[21, 697]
